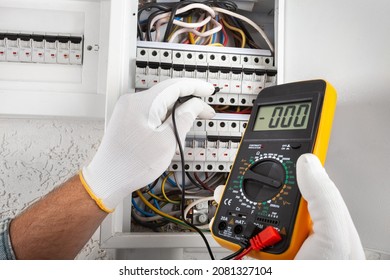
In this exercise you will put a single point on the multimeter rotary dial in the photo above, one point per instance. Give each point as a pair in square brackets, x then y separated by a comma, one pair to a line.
[263, 180]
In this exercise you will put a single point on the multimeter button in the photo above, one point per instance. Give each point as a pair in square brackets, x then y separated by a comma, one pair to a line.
[295, 146]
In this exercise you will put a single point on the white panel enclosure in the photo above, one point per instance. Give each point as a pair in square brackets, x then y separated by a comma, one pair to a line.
[58, 88]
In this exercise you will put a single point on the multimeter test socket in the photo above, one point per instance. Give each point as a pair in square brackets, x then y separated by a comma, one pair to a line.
[286, 121]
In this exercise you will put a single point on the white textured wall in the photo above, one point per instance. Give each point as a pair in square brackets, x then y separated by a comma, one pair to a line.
[38, 154]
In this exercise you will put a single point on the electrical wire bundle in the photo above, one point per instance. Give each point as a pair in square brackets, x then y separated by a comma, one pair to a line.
[212, 23]
[155, 208]
[232, 109]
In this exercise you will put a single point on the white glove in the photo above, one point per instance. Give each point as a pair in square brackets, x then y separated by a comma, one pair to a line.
[139, 142]
[333, 235]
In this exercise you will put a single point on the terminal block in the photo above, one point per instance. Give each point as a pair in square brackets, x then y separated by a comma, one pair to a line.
[202, 213]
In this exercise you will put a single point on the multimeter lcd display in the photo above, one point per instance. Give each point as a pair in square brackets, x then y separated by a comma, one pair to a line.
[290, 116]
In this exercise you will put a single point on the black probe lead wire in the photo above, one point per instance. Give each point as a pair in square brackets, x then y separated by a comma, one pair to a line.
[183, 180]
[235, 254]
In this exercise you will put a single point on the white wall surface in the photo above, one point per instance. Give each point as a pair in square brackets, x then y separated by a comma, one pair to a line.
[347, 43]
[37, 155]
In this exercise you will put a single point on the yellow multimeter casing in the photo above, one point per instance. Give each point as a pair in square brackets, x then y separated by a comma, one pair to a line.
[286, 121]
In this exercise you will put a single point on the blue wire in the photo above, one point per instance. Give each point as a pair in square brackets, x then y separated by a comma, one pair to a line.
[222, 37]
[173, 183]
[215, 34]
[170, 181]
[140, 210]
[155, 201]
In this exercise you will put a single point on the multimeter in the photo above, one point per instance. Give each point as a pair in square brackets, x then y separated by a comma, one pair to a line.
[286, 121]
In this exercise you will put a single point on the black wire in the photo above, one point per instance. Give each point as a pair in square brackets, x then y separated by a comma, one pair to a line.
[150, 18]
[140, 34]
[228, 5]
[235, 254]
[153, 184]
[239, 23]
[193, 181]
[183, 180]
[160, 7]
[165, 7]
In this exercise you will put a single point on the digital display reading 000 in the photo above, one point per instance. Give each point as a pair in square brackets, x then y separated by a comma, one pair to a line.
[289, 116]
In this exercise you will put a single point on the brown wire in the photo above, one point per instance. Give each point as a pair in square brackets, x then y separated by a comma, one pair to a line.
[203, 184]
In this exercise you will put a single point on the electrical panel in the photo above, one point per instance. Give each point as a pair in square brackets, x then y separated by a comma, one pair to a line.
[54, 57]
[238, 60]
[76, 57]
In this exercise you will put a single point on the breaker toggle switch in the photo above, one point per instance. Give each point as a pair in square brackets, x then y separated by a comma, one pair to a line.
[25, 50]
[76, 50]
[12, 46]
[63, 49]
[50, 49]
[38, 48]
[3, 50]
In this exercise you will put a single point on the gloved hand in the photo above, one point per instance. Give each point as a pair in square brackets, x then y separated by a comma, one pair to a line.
[333, 235]
[139, 142]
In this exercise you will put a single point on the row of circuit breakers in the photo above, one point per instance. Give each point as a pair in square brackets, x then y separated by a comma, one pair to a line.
[41, 48]
[211, 145]
[239, 77]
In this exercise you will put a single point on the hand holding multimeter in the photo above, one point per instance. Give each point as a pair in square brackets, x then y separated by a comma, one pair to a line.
[327, 211]
[262, 189]
[333, 234]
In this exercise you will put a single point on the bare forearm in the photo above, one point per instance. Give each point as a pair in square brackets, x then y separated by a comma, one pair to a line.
[58, 226]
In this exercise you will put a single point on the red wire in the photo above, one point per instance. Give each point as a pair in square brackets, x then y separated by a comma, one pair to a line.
[267, 237]
[243, 254]
[226, 37]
